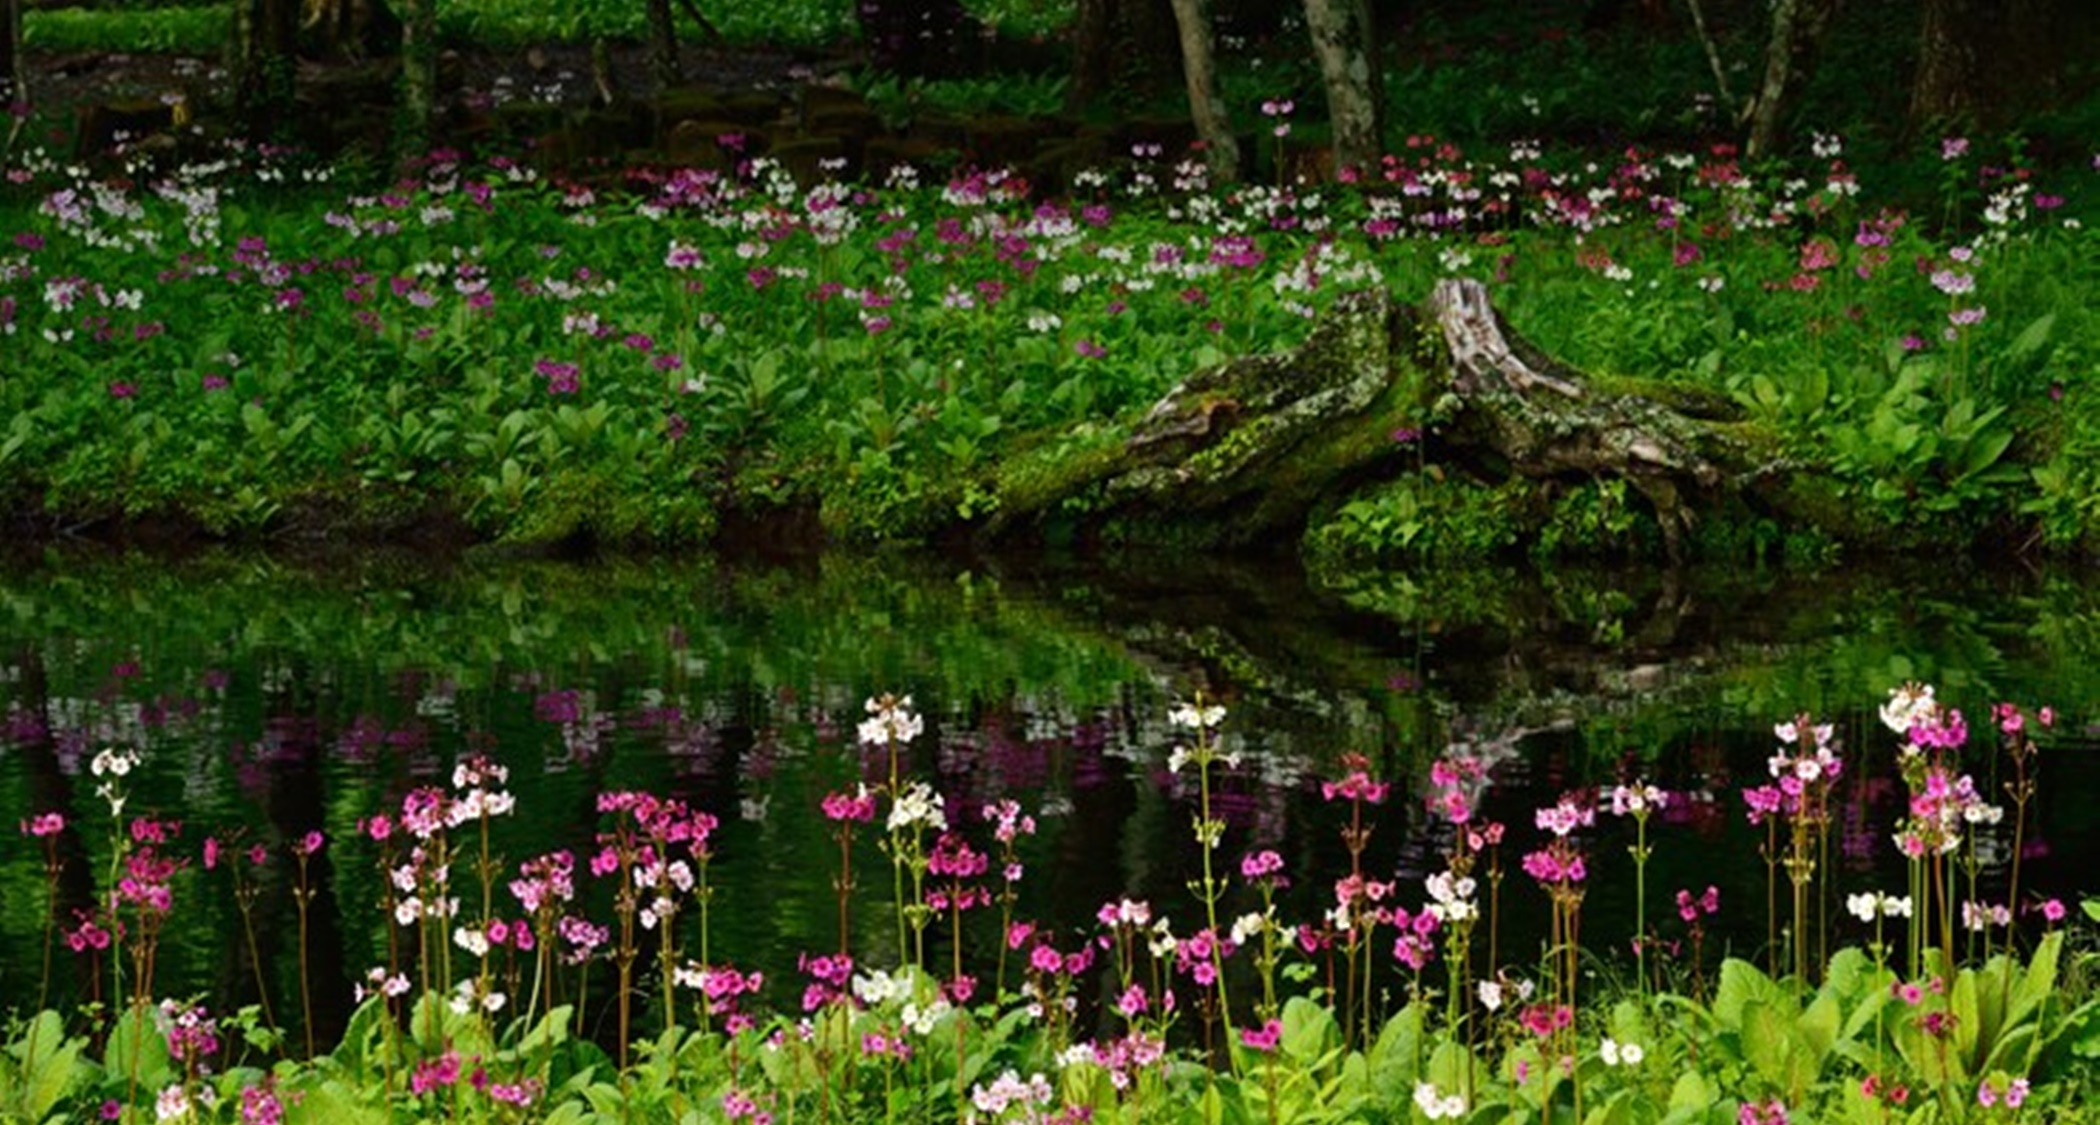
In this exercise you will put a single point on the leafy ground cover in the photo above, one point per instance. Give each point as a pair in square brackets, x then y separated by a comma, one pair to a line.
[579, 986]
[243, 346]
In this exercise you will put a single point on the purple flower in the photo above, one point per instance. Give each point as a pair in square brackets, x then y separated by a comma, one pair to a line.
[123, 390]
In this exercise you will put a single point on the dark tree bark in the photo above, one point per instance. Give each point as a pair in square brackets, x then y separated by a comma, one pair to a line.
[1798, 31]
[1122, 45]
[418, 81]
[266, 44]
[663, 45]
[1948, 88]
[11, 87]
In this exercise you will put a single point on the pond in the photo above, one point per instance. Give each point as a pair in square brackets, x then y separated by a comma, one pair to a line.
[269, 697]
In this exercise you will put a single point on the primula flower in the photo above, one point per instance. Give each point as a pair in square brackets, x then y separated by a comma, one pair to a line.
[890, 721]
[1265, 1038]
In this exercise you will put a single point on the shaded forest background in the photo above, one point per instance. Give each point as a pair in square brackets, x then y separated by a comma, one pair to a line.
[1361, 74]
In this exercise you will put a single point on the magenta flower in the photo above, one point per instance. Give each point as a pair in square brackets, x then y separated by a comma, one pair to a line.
[1265, 1038]
[1261, 865]
[854, 807]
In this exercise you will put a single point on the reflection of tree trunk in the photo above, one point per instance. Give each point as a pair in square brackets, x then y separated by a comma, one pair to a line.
[50, 790]
[1341, 37]
[1947, 90]
[1206, 107]
[298, 803]
[1798, 27]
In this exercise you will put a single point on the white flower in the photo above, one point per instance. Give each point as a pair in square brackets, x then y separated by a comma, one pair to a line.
[1620, 1054]
[1907, 706]
[172, 1104]
[472, 940]
[919, 805]
[921, 1019]
[1453, 897]
[1178, 758]
[890, 721]
[1490, 993]
[1436, 1106]
[1196, 717]
[112, 762]
[1864, 906]
[876, 988]
[1248, 927]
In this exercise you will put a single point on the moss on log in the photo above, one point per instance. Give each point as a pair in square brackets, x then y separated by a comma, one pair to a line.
[1246, 451]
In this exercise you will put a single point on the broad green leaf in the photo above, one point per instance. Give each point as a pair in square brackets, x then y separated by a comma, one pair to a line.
[1741, 983]
[1693, 1091]
[2032, 338]
[136, 1049]
[1309, 1030]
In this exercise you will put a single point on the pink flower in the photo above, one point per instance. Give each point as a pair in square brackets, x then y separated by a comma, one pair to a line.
[1264, 1039]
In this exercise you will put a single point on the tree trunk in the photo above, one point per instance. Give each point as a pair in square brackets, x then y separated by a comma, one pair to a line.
[1120, 45]
[266, 42]
[1947, 91]
[1221, 150]
[11, 54]
[663, 45]
[1341, 38]
[1093, 47]
[14, 81]
[1244, 452]
[1798, 28]
[418, 82]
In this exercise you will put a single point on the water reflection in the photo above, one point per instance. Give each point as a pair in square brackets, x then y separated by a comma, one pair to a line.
[271, 698]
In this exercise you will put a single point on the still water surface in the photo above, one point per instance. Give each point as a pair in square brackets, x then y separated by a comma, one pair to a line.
[271, 697]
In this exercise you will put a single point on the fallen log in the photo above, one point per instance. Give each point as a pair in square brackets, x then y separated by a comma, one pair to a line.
[1245, 451]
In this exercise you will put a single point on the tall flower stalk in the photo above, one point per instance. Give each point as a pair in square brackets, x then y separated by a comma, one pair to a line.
[1639, 801]
[891, 725]
[304, 850]
[1804, 769]
[1203, 717]
[1357, 897]
[1560, 868]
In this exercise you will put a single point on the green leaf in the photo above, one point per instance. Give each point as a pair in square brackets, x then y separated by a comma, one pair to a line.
[1693, 1093]
[50, 1064]
[1309, 1030]
[2032, 338]
[1768, 1042]
[1741, 983]
[137, 1049]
